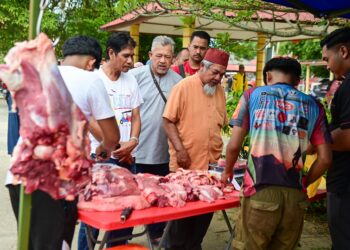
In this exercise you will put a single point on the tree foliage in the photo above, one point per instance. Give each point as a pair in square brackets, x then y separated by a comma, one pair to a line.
[305, 50]
[237, 13]
[62, 18]
[241, 49]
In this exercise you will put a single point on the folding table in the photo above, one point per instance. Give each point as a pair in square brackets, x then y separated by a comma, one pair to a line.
[108, 221]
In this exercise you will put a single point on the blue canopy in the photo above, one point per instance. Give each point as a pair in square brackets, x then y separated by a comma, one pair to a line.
[320, 8]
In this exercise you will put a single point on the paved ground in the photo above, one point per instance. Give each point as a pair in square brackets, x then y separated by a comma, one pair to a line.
[315, 235]
[7, 219]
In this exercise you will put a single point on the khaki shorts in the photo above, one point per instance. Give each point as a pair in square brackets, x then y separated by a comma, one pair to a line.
[272, 219]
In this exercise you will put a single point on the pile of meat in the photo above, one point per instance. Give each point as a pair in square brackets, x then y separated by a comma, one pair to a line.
[53, 154]
[116, 188]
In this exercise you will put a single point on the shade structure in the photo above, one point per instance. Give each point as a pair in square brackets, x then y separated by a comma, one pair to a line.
[320, 8]
[151, 19]
[173, 26]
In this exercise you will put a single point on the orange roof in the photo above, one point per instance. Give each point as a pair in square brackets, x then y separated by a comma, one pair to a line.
[154, 7]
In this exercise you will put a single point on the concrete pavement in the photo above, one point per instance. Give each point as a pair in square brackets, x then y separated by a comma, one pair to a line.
[8, 231]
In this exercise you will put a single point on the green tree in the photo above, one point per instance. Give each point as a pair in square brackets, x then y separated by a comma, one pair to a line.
[241, 49]
[14, 22]
[62, 18]
[305, 50]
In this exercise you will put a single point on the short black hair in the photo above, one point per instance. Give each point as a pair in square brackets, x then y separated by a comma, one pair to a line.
[286, 65]
[201, 34]
[83, 45]
[337, 37]
[119, 41]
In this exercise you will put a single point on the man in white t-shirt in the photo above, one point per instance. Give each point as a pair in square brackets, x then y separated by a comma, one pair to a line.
[124, 94]
[53, 221]
[125, 99]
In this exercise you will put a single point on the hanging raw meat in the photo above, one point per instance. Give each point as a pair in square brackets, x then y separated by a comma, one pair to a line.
[53, 155]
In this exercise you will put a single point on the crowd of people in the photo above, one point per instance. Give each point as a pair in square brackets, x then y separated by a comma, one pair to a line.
[169, 114]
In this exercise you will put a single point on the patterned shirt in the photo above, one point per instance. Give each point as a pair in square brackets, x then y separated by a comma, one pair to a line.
[281, 122]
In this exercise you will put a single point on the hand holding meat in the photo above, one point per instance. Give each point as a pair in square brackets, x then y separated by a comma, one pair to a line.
[227, 176]
[102, 154]
[125, 149]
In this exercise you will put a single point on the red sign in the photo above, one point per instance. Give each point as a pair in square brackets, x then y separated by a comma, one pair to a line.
[282, 117]
[281, 104]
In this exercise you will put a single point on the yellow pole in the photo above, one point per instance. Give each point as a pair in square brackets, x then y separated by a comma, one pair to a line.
[331, 76]
[307, 79]
[135, 34]
[260, 59]
[187, 32]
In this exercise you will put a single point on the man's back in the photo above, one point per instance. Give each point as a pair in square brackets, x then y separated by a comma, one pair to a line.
[281, 121]
[87, 91]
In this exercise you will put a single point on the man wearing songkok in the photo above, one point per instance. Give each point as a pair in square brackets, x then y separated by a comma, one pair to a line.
[193, 119]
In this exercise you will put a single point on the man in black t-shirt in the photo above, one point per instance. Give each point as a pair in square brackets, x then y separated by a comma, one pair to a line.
[336, 52]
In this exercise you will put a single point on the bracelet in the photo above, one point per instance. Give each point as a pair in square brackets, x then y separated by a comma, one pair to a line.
[134, 138]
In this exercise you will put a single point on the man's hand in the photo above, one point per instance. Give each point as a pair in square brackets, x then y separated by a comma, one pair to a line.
[102, 154]
[125, 150]
[127, 159]
[227, 176]
[183, 159]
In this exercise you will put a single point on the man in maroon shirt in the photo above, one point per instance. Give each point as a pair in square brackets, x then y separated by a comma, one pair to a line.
[199, 45]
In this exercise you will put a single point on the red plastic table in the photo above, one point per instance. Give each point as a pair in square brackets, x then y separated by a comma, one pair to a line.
[108, 221]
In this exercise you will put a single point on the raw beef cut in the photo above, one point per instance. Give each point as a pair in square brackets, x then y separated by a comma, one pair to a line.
[54, 153]
[99, 203]
[116, 188]
[111, 188]
[110, 182]
[208, 193]
[150, 189]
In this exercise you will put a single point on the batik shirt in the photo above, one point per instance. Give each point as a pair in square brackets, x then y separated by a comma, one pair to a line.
[281, 122]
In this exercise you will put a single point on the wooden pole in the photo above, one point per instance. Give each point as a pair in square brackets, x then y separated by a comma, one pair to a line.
[331, 76]
[260, 59]
[307, 79]
[25, 203]
[135, 34]
[187, 32]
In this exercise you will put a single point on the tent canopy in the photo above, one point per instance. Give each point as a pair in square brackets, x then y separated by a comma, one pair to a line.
[320, 8]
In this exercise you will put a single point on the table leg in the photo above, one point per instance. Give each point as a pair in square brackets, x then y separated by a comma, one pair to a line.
[229, 243]
[149, 237]
[89, 237]
[227, 221]
[104, 240]
[165, 234]
[231, 230]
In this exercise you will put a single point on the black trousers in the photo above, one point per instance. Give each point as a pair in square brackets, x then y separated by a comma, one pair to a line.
[188, 233]
[156, 229]
[338, 207]
[52, 221]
